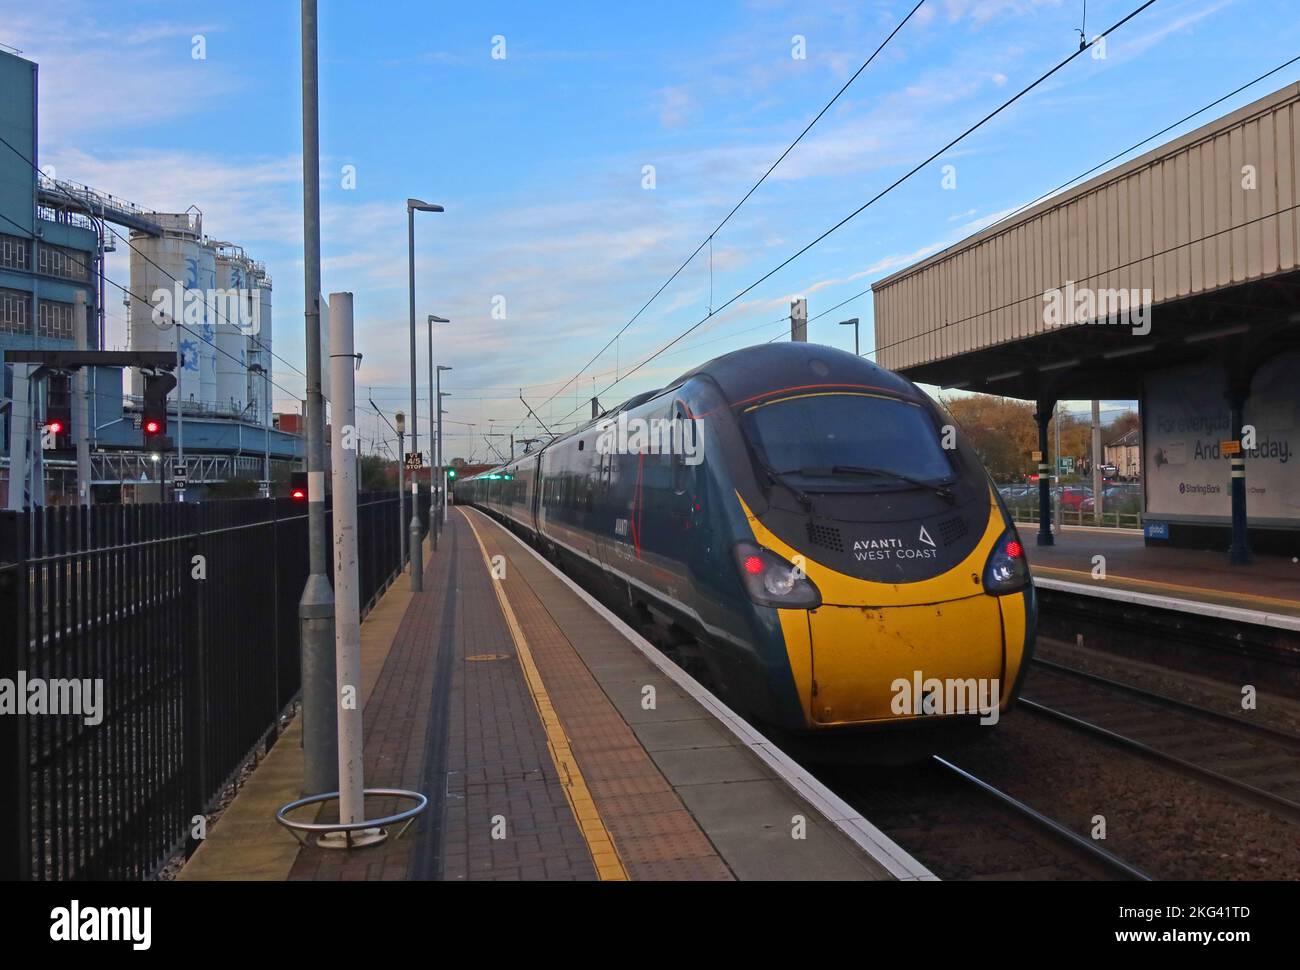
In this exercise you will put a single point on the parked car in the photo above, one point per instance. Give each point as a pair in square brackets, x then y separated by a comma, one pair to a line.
[1073, 496]
[1115, 498]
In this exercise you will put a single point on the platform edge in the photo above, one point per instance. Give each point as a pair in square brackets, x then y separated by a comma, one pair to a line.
[896, 860]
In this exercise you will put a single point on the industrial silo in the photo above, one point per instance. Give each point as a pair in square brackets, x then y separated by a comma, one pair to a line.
[232, 312]
[162, 270]
[206, 272]
[259, 347]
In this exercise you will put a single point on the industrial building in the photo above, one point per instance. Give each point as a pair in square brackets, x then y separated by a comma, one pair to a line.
[205, 300]
[1173, 279]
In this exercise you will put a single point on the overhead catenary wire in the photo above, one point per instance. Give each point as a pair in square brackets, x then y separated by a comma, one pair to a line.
[1011, 215]
[708, 240]
[177, 323]
[887, 189]
[127, 240]
[1090, 276]
[1066, 184]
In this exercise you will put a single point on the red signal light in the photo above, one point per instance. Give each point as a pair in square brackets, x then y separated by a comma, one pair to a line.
[54, 427]
[298, 495]
[753, 565]
[152, 427]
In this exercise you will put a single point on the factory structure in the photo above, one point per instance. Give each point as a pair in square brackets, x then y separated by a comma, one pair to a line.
[211, 303]
[205, 300]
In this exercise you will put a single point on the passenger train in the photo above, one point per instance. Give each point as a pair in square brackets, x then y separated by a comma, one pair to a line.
[813, 526]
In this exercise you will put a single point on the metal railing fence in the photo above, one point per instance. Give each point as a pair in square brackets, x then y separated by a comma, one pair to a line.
[149, 649]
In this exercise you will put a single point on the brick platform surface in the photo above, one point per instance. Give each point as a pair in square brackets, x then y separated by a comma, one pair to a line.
[656, 837]
[495, 762]
[517, 707]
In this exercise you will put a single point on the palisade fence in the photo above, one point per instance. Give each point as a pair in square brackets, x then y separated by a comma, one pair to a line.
[186, 617]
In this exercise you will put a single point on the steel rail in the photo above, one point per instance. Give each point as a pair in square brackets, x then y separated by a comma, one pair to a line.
[1076, 841]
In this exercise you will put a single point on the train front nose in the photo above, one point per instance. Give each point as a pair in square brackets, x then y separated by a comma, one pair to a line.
[899, 662]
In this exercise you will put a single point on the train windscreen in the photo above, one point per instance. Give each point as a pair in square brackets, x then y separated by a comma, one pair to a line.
[848, 440]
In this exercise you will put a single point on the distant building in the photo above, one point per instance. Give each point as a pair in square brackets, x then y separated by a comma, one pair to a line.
[47, 256]
[1125, 453]
[53, 235]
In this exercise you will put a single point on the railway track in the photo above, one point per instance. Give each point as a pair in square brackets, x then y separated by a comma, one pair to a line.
[962, 827]
[1256, 763]
[958, 817]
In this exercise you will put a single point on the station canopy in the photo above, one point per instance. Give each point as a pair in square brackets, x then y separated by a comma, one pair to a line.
[1190, 250]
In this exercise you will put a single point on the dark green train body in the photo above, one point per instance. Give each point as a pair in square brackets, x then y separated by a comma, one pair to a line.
[812, 521]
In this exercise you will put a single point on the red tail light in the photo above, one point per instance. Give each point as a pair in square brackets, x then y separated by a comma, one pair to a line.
[1007, 570]
[772, 581]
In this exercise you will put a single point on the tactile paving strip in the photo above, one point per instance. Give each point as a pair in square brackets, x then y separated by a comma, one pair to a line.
[656, 837]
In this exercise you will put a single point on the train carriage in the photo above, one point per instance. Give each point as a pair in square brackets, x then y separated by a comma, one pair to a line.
[813, 528]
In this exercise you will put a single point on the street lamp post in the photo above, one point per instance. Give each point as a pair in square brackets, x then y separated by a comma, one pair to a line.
[417, 566]
[400, 421]
[316, 605]
[435, 522]
[854, 324]
[442, 474]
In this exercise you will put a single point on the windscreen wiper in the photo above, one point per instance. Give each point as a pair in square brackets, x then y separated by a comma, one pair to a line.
[778, 479]
[939, 488]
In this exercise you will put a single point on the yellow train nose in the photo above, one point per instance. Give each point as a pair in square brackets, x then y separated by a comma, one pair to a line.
[871, 664]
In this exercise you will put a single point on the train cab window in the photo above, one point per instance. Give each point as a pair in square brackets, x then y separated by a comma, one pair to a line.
[848, 441]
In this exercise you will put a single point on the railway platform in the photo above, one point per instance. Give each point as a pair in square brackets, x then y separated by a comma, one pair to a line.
[1265, 593]
[553, 742]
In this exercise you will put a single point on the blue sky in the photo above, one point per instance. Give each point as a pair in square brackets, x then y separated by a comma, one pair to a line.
[539, 157]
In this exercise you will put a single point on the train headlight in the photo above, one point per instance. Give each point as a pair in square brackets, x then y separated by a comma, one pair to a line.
[1007, 570]
[773, 581]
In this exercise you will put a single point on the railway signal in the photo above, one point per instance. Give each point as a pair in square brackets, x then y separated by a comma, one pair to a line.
[153, 415]
[298, 486]
[56, 432]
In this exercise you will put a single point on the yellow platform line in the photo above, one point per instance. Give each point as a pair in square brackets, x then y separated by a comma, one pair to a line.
[1202, 590]
[599, 843]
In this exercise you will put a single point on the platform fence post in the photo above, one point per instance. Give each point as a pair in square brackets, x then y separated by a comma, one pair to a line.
[347, 601]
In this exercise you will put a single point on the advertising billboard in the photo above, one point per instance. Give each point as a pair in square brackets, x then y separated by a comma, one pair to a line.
[1185, 425]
